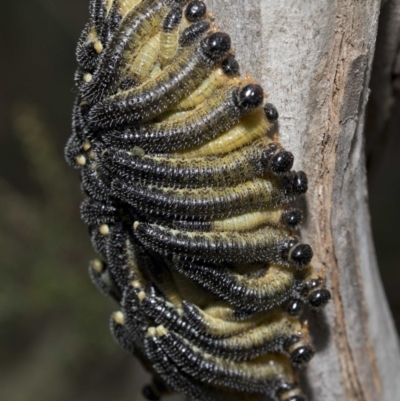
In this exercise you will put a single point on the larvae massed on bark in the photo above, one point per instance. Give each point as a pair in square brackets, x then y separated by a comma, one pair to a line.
[188, 203]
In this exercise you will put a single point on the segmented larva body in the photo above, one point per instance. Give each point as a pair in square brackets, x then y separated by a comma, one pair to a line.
[188, 205]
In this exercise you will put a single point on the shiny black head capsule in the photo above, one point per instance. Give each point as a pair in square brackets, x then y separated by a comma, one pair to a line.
[301, 255]
[250, 97]
[295, 307]
[319, 298]
[291, 217]
[230, 66]
[271, 112]
[195, 11]
[300, 183]
[282, 162]
[216, 46]
[301, 355]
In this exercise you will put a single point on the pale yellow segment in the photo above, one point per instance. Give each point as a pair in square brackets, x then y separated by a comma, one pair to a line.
[119, 318]
[126, 6]
[81, 160]
[144, 62]
[216, 80]
[92, 36]
[215, 324]
[108, 5]
[97, 265]
[104, 229]
[249, 129]
[249, 221]
[272, 328]
[168, 46]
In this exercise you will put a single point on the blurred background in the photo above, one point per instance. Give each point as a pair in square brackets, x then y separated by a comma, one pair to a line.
[54, 339]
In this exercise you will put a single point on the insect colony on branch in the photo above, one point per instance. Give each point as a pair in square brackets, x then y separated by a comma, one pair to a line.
[187, 201]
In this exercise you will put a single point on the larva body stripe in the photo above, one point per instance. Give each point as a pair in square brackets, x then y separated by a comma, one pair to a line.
[265, 245]
[253, 161]
[187, 195]
[207, 203]
[244, 222]
[195, 127]
[164, 171]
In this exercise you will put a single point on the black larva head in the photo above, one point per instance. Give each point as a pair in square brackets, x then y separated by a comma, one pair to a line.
[195, 11]
[216, 46]
[172, 20]
[282, 162]
[300, 183]
[149, 393]
[319, 298]
[301, 355]
[291, 217]
[193, 33]
[295, 307]
[271, 112]
[250, 97]
[301, 255]
[230, 66]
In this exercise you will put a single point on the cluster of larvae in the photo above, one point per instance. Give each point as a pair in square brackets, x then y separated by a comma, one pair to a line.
[187, 199]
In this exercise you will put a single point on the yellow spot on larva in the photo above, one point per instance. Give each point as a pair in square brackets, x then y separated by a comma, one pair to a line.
[81, 160]
[136, 284]
[87, 77]
[141, 296]
[119, 318]
[104, 229]
[86, 145]
[135, 225]
[161, 331]
[97, 265]
[98, 46]
[91, 155]
[151, 332]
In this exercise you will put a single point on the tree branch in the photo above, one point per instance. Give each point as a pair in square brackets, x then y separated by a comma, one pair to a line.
[314, 58]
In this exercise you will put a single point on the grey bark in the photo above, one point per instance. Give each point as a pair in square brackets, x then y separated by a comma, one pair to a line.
[314, 58]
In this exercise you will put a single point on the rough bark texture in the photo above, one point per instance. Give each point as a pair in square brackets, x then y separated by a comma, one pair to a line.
[314, 59]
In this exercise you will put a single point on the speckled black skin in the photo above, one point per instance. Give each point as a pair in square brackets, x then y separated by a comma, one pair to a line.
[201, 253]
